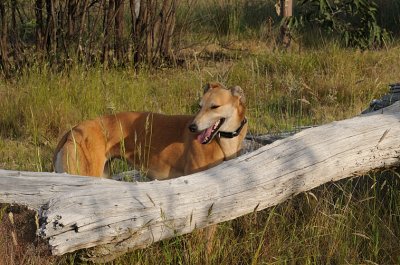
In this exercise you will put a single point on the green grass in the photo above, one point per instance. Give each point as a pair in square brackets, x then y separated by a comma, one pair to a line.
[353, 221]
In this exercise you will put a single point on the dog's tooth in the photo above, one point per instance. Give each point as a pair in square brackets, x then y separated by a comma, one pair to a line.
[216, 125]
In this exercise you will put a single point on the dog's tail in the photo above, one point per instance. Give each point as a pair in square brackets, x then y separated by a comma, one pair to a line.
[58, 157]
[69, 155]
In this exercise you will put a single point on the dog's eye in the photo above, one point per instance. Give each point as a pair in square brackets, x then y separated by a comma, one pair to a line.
[215, 107]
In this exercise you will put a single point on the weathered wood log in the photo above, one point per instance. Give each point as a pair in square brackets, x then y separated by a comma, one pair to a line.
[115, 217]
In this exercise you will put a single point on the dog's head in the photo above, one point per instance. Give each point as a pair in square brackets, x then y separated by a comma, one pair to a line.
[221, 109]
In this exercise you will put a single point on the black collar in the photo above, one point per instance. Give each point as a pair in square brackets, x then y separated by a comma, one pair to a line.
[235, 133]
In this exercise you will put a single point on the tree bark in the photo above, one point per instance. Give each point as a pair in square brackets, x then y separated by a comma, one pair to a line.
[134, 7]
[140, 31]
[107, 25]
[152, 31]
[114, 217]
[4, 60]
[51, 28]
[286, 11]
[15, 41]
[39, 26]
[119, 31]
[167, 25]
[83, 17]
[72, 8]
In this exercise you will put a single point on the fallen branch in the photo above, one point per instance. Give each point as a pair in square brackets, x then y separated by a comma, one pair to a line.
[114, 217]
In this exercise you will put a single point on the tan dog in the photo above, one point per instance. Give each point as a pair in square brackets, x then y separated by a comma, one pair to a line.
[164, 146]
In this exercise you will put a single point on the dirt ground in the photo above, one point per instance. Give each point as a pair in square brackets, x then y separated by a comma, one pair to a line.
[18, 241]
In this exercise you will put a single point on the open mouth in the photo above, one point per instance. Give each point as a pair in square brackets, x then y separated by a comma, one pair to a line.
[208, 134]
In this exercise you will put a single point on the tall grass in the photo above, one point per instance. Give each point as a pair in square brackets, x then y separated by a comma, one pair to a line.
[283, 90]
[352, 221]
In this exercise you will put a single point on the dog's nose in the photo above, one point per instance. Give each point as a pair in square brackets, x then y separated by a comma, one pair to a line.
[193, 127]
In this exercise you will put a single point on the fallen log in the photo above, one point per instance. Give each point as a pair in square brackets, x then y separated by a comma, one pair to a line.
[112, 217]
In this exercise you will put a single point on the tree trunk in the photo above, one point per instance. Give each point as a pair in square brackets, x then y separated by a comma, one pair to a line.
[119, 31]
[139, 31]
[115, 217]
[152, 31]
[51, 28]
[72, 8]
[39, 26]
[15, 41]
[167, 25]
[286, 11]
[134, 7]
[107, 25]
[14, 28]
[4, 61]
[83, 17]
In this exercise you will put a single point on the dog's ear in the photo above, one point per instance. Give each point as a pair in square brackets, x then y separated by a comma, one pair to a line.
[238, 92]
[211, 86]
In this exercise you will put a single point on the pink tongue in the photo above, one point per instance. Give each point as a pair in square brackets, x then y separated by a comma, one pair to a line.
[206, 133]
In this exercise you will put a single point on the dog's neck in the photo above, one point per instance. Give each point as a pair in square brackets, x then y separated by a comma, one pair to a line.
[231, 146]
